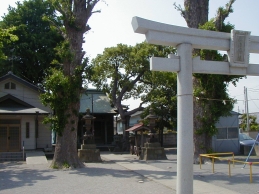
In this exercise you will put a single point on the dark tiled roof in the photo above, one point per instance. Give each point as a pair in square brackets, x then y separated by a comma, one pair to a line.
[12, 105]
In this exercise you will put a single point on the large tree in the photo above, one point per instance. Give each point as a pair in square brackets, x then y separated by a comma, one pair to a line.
[211, 99]
[34, 52]
[122, 72]
[64, 85]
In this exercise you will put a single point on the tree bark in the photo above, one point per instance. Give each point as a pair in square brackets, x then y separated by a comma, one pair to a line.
[66, 146]
[196, 12]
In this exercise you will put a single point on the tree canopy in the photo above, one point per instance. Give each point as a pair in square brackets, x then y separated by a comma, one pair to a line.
[33, 53]
[123, 72]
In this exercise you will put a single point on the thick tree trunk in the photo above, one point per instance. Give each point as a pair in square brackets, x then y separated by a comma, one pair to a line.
[200, 141]
[66, 146]
[196, 13]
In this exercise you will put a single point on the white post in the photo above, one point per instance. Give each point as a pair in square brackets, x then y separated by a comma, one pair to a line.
[185, 121]
[247, 112]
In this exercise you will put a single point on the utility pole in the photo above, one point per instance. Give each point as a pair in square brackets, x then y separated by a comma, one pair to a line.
[246, 109]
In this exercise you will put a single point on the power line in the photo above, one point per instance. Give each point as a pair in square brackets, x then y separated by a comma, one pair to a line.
[197, 98]
[254, 87]
[254, 103]
[253, 90]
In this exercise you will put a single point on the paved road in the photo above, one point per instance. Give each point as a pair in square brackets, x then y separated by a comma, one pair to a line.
[123, 174]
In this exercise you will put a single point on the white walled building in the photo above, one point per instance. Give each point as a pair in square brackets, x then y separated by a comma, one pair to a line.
[21, 116]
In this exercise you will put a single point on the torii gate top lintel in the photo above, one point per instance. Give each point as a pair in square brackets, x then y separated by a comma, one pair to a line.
[238, 44]
[144, 26]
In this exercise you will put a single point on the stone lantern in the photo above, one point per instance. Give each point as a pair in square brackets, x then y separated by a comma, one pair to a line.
[152, 123]
[152, 149]
[88, 151]
[88, 137]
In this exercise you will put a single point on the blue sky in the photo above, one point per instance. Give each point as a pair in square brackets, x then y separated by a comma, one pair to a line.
[113, 26]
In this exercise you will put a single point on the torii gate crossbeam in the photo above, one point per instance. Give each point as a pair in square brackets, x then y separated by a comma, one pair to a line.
[238, 44]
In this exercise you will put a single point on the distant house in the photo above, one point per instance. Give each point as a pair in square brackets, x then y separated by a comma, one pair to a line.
[227, 138]
[21, 116]
[134, 119]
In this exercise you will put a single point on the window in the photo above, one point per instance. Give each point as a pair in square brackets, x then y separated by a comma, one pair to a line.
[222, 133]
[27, 130]
[13, 86]
[10, 85]
[227, 133]
[6, 86]
[232, 133]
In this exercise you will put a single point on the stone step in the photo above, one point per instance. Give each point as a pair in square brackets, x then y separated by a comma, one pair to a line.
[11, 156]
[10, 159]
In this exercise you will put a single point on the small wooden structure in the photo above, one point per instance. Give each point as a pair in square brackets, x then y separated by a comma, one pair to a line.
[138, 127]
[148, 150]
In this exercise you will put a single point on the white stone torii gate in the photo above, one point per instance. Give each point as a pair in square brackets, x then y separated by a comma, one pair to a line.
[238, 44]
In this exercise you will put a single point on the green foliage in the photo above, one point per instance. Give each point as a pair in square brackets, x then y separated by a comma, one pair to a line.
[170, 131]
[64, 52]
[59, 87]
[210, 25]
[32, 54]
[253, 125]
[54, 166]
[162, 95]
[66, 165]
[6, 37]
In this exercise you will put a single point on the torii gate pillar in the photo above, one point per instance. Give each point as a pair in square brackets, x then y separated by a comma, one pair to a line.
[184, 123]
[238, 44]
